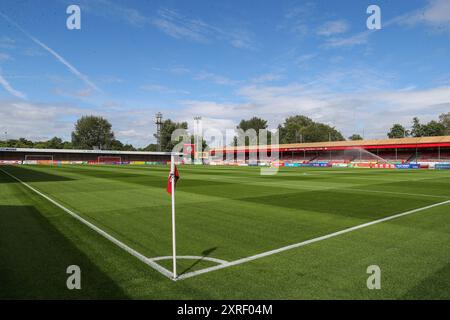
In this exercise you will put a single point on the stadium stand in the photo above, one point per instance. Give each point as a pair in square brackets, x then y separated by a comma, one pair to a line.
[400, 151]
[61, 156]
[405, 150]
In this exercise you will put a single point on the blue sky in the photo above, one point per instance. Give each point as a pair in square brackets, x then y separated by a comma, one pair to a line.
[222, 60]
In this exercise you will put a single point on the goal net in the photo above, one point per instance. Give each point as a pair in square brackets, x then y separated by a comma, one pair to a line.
[109, 160]
[38, 159]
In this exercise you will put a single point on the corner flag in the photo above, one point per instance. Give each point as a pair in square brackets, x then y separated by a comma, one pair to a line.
[173, 178]
[176, 176]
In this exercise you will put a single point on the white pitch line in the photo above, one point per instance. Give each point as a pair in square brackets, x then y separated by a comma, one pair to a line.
[220, 261]
[119, 243]
[304, 243]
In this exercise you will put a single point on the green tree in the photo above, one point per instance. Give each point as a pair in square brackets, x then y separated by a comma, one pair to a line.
[444, 119]
[21, 143]
[254, 123]
[398, 131]
[119, 146]
[433, 128]
[417, 128]
[116, 145]
[67, 145]
[40, 145]
[355, 137]
[92, 132]
[303, 129]
[150, 147]
[167, 128]
[128, 147]
[55, 143]
[292, 130]
[318, 132]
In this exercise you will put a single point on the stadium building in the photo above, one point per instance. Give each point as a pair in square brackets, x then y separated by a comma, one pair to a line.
[424, 150]
[388, 153]
[72, 156]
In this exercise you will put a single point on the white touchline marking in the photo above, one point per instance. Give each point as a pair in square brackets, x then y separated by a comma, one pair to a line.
[300, 244]
[120, 244]
[220, 261]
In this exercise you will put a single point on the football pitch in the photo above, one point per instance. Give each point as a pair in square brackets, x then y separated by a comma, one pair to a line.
[304, 233]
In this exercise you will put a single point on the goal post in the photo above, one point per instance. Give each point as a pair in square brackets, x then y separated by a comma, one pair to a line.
[38, 159]
[109, 159]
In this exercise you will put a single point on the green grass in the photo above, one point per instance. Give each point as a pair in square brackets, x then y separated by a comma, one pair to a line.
[227, 213]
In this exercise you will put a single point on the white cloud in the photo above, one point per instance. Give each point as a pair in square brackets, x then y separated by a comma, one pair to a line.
[215, 78]
[298, 18]
[357, 39]
[126, 135]
[161, 89]
[267, 77]
[79, 94]
[111, 79]
[210, 109]
[178, 26]
[333, 27]
[303, 59]
[35, 121]
[111, 10]
[4, 56]
[373, 110]
[7, 43]
[240, 39]
[33, 52]
[41, 121]
[436, 13]
[154, 87]
[179, 70]
[171, 22]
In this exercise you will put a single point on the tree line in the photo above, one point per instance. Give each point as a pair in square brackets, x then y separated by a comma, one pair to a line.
[295, 129]
[439, 127]
[92, 132]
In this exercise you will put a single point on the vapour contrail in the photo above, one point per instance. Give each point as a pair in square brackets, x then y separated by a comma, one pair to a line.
[58, 57]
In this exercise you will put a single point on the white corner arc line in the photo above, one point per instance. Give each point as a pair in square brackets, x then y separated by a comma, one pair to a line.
[219, 261]
[119, 243]
[304, 243]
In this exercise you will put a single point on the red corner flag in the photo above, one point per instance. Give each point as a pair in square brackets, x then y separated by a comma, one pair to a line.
[169, 182]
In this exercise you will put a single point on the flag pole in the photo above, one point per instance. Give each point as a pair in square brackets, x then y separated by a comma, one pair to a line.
[174, 248]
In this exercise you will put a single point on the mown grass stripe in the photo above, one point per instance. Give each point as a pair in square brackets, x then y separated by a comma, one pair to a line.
[304, 243]
[117, 242]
